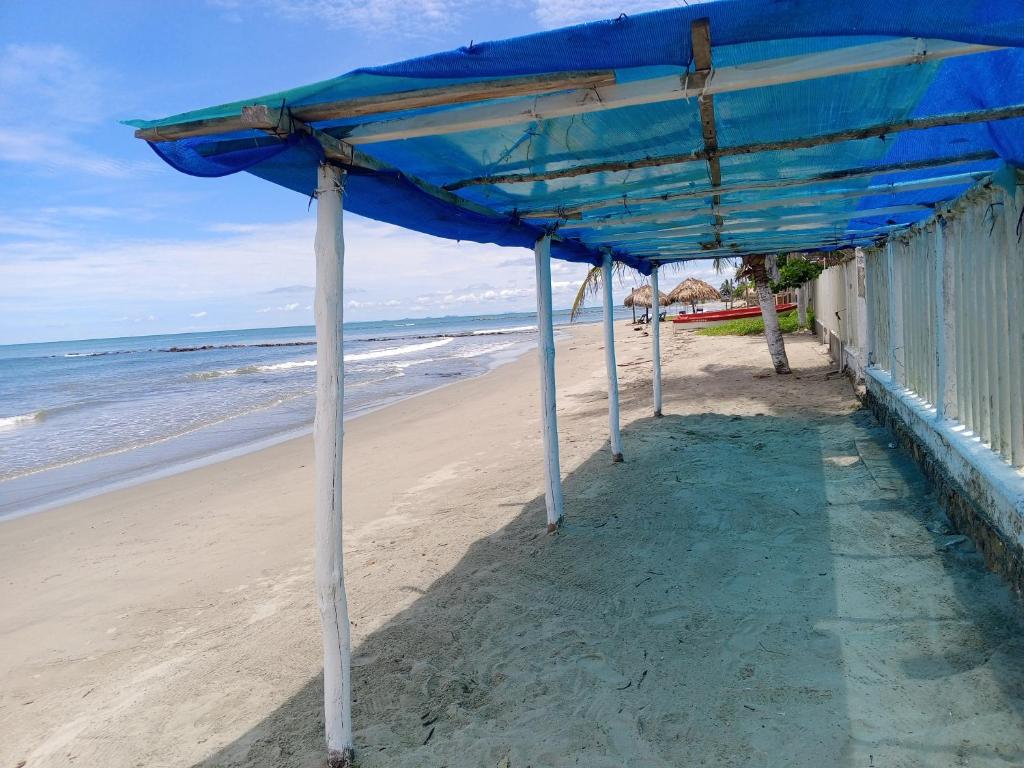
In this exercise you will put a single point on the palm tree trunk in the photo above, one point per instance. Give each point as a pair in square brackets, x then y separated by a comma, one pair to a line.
[772, 332]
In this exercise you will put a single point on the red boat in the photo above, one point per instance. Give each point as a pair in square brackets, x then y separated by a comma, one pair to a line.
[727, 314]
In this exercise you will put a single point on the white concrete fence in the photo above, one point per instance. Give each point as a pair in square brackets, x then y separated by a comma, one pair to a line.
[940, 309]
[837, 297]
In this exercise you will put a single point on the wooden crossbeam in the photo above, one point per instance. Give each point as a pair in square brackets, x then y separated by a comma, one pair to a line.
[346, 156]
[561, 94]
[700, 35]
[577, 211]
[860, 58]
[766, 246]
[400, 101]
[669, 217]
[766, 241]
[855, 134]
[794, 223]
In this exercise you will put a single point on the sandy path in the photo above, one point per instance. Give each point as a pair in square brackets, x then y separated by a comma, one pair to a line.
[756, 586]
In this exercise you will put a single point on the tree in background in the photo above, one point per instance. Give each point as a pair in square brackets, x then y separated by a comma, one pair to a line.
[794, 274]
[757, 268]
[726, 289]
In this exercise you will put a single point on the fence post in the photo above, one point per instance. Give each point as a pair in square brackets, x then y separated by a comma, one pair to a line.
[895, 317]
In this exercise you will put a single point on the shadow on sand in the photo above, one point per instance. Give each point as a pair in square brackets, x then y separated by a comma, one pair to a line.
[693, 611]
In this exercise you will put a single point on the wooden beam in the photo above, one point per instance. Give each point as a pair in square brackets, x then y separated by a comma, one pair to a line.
[700, 35]
[669, 217]
[686, 85]
[399, 101]
[561, 94]
[344, 155]
[797, 223]
[854, 134]
[775, 246]
[866, 172]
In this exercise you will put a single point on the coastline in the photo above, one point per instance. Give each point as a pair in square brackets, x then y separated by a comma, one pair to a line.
[173, 455]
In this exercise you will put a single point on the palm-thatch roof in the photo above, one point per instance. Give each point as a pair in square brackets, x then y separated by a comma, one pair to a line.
[693, 291]
[641, 297]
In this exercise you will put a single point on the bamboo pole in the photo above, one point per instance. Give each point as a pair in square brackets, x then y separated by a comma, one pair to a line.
[327, 440]
[546, 348]
[656, 338]
[614, 435]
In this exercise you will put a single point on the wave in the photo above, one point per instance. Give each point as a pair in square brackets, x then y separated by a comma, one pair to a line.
[488, 349]
[246, 369]
[11, 422]
[408, 349]
[502, 331]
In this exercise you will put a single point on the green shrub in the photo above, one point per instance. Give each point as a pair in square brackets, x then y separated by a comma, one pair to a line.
[752, 326]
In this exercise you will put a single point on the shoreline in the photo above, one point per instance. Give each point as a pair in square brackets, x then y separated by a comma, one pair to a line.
[198, 460]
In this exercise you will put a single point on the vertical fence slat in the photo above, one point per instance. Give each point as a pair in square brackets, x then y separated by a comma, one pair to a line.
[1014, 206]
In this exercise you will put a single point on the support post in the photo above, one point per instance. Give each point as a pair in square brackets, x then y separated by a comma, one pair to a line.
[656, 338]
[614, 436]
[327, 441]
[546, 347]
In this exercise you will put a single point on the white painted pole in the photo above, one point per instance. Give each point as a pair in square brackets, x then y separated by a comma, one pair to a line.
[327, 441]
[656, 339]
[614, 436]
[546, 346]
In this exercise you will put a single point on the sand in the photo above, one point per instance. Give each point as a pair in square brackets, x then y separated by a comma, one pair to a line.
[764, 582]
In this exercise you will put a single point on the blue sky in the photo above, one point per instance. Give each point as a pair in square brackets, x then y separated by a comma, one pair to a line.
[99, 238]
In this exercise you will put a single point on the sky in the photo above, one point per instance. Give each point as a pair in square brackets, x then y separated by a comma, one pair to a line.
[99, 238]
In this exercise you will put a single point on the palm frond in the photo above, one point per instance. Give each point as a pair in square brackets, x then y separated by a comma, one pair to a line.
[590, 287]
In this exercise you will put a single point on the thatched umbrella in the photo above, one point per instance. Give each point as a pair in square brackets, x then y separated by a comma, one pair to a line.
[693, 291]
[641, 297]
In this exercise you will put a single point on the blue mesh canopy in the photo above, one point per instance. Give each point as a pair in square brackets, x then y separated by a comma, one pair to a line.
[602, 142]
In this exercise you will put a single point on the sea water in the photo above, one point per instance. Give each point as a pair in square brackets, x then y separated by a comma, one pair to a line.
[78, 417]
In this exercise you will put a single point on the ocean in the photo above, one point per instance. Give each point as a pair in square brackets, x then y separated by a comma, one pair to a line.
[79, 417]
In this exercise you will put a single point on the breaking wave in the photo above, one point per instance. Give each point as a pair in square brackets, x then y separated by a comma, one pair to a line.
[408, 349]
[245, 369]
[11, 422]
[502, 331]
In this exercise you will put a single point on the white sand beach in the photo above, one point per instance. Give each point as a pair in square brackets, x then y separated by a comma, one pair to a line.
[763, 582]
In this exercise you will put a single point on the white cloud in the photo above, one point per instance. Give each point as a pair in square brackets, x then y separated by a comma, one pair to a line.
[54, 87]
[285, 308]
[560, 13]
[198, 314]
[409, 18]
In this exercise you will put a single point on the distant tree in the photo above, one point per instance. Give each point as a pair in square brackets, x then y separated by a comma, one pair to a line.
[795, 274]
[757, 268]
[726, 289]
